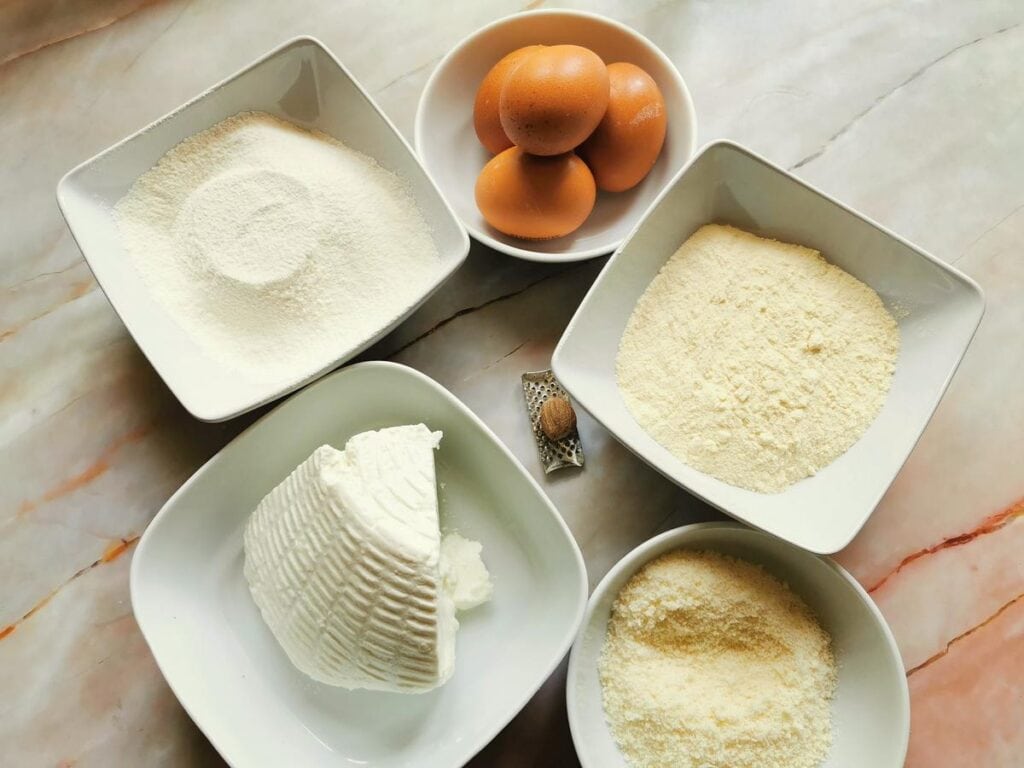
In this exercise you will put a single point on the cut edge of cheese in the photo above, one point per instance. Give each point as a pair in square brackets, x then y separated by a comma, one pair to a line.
[463, 573]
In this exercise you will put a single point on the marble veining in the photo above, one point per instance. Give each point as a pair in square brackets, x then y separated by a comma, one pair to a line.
[908, 111]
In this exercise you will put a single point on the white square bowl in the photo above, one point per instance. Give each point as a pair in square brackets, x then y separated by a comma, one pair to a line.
[301, 82]
[939, 310]
[193, 606]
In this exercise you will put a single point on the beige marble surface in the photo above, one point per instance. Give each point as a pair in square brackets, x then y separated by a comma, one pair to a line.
[910, 111]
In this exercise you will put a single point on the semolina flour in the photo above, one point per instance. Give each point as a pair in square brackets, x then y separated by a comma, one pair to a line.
[276, 249]
[710, 662]
[755, 361]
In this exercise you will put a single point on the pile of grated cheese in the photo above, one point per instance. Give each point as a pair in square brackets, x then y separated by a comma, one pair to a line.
[755, 361]
[710, 662]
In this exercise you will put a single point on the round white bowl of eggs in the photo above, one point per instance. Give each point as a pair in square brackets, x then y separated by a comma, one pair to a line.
[577, 172]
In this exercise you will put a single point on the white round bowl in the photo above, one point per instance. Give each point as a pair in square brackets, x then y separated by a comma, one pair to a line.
[448, 147]
[871, 709]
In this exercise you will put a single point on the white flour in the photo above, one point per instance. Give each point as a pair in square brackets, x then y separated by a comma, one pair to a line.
[755, 361]
[276, 249]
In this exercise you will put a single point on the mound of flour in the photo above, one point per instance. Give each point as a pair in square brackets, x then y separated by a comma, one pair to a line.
[755, 361]
[275, 248]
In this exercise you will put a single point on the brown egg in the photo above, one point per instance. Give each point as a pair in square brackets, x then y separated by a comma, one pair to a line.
[554, 99]
[486, 120]
[534, 197]
[627, 141]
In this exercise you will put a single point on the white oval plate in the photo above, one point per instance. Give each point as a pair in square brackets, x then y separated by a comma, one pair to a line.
[194, 608]
[871, 710]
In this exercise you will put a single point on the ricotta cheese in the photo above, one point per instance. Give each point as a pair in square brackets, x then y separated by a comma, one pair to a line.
[343, 559]
[463, 573]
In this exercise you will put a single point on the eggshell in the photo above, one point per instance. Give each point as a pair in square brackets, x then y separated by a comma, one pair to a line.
[554, 99]
[626, 143]
[486, 120]
[534, 197]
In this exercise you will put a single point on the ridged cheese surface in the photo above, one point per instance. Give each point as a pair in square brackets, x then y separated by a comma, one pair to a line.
[342, 559]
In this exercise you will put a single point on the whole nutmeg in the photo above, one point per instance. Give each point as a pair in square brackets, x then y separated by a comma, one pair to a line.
[557, 418]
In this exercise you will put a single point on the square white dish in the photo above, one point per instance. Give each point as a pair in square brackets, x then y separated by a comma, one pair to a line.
[302, 82]
[193, 605]
[938, 311]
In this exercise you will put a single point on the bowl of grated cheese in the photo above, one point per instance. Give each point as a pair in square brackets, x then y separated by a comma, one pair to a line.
[767, 348]
[715, 644]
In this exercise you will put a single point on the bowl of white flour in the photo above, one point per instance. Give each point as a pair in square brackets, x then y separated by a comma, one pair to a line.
[263, 233]
[767, 348]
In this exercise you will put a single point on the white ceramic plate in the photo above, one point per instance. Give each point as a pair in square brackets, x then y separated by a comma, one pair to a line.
[939, 310]
[302, 82]
[194, 608]
[871, 710]
[447, 143]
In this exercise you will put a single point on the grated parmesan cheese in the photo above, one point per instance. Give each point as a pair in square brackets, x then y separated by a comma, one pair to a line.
[710, 662]
[755, 361]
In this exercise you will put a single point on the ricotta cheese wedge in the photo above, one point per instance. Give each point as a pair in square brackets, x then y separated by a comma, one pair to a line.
[343, 559]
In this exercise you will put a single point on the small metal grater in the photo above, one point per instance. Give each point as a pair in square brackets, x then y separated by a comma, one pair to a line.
[538, 386]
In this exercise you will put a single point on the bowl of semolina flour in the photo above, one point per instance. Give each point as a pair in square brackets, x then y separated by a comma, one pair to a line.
[263, 233]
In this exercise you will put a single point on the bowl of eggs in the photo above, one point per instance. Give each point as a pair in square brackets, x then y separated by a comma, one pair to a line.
[551, 132]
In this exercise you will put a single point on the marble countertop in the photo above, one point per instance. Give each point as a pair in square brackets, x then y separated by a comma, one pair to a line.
[908, 111]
